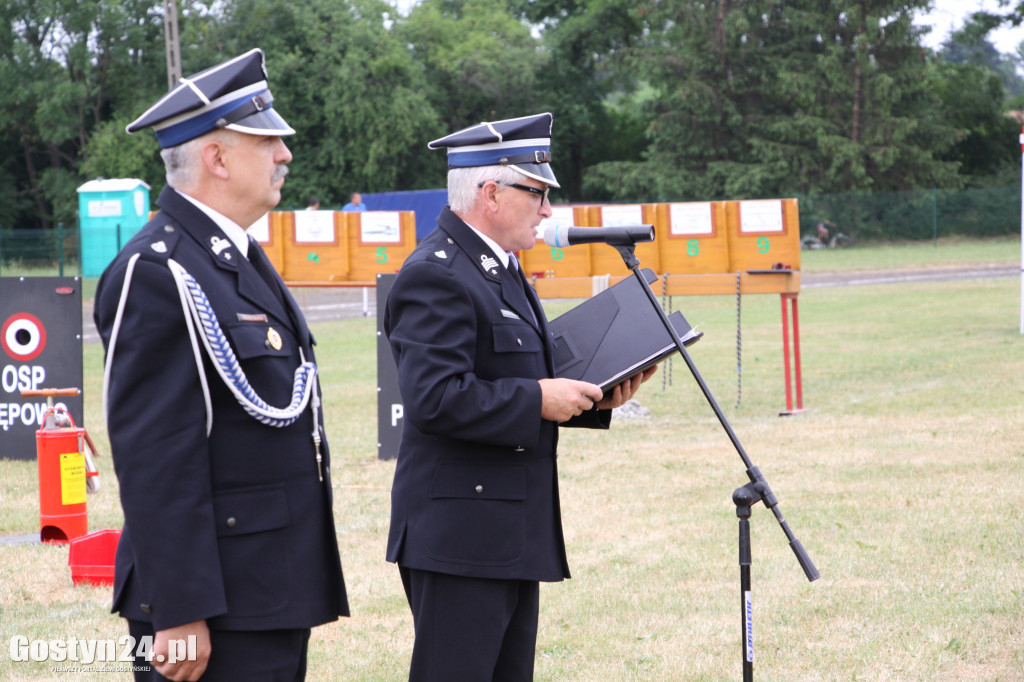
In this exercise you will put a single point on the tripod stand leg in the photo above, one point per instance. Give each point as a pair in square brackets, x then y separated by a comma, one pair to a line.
[744, 497]
[746, 602]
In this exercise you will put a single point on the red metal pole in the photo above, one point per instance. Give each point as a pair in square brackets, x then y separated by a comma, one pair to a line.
[796, 355]
[785, 353]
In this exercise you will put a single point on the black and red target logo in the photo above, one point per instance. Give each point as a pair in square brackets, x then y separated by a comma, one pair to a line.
[23, 336]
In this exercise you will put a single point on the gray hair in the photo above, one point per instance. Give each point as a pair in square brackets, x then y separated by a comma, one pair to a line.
[181, 161]
[463, 183]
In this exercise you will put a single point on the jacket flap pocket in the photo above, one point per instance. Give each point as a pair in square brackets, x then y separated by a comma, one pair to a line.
[250, 511]
[469, 481]
[516, 337]
[251, 340]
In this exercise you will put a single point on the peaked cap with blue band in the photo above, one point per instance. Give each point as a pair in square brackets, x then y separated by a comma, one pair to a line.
[232, 95]
[521, 143]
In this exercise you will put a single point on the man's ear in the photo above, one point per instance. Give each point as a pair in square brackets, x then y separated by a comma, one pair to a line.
[490, 195]
[213, 158]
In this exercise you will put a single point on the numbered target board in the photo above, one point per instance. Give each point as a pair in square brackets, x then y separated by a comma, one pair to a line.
[692, 237]
[763, 234]
[317, 249]
[41, 338]
[605, 259]
[378, 242]
[546, 261]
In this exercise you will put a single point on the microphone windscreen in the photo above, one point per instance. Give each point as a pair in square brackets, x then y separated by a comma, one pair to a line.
[557, 236]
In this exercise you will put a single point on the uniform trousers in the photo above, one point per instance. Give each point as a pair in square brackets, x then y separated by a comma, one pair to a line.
[471, 629]
[253, 656]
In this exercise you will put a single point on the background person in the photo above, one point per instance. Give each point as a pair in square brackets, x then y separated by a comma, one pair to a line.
[475, 518]
[228, 533]
[355, 203]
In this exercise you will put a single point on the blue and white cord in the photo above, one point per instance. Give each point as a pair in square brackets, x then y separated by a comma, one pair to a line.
[198, 308]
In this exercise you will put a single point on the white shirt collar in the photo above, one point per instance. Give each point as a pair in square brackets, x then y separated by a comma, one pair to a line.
[234, 232]
[501, 253]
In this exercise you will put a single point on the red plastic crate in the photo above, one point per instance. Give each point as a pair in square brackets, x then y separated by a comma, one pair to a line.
[92, 557]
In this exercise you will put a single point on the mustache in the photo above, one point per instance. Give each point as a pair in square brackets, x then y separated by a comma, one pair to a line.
[279, 173]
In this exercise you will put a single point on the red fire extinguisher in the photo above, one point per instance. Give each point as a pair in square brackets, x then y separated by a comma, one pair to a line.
[67, 471]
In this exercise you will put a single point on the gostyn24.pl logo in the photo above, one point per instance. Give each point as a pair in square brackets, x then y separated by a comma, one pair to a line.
[89, 651]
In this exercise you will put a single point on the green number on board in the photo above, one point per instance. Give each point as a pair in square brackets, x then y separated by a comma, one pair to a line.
[763, 244]
[382, 254]
[693, 247]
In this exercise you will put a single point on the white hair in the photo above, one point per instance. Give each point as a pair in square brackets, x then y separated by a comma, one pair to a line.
[463, 183]
[182, 161]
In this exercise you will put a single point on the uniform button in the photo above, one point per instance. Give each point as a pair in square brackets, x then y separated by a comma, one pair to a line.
[479, 488]
[519, 341]
[168, 228]
[519, 448]
[231, 522]
[146, 608]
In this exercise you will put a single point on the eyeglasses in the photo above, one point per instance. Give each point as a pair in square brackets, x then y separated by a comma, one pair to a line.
[542, 193]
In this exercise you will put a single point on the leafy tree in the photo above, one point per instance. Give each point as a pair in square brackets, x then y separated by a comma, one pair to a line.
[479, 60]
[64, 64]
[972, 100]
[971, 45]
[349, 87]
[596, 99]
[773, 98]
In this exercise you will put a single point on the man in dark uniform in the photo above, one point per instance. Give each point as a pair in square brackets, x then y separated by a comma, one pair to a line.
[224, 476]
[475, 519]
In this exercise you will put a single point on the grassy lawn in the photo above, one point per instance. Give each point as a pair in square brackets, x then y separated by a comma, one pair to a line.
[901, 479]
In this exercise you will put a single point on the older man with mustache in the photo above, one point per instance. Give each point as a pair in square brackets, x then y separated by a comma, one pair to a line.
[228, 556]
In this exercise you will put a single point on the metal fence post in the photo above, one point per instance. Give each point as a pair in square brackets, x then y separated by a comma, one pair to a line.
[60, 249]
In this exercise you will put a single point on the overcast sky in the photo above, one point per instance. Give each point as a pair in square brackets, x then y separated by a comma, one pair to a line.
[949, 15]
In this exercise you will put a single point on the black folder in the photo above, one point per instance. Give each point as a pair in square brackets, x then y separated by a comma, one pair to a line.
[615, 335]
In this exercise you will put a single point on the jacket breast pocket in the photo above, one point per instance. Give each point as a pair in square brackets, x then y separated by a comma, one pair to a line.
[252, 535]
[252, 340]
[516, 337]
[476, 515]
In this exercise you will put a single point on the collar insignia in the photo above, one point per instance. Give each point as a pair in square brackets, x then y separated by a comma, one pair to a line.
[218, 244]
[441, 254]
[489, 264]
[159, 247]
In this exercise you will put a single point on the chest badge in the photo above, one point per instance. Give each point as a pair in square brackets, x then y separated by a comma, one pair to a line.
[441, 254]
[159, 247]
[489, 264]
[274, 339]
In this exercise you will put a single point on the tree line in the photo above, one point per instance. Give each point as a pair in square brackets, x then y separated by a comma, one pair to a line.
[653, 100]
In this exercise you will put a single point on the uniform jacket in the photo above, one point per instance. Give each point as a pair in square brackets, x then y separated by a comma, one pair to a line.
[234, 527]
[475, 490]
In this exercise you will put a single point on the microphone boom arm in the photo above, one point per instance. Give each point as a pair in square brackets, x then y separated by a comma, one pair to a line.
[758, 484]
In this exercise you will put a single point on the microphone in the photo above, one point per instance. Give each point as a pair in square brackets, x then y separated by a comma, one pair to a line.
[625, 235]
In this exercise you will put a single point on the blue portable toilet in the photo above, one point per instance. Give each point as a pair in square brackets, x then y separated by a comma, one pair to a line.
[110, 212]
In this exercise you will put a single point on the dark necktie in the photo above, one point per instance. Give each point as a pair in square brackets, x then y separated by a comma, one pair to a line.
[516, 273]
[262, 267]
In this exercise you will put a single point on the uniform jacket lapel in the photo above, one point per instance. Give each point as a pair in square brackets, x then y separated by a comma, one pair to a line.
[251, 286]
[526, 304]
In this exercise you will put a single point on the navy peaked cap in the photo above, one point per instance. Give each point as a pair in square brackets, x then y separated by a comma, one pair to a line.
[232, 95]
[521, 143]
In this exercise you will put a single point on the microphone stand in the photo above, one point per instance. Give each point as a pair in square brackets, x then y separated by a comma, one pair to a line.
[757, 490]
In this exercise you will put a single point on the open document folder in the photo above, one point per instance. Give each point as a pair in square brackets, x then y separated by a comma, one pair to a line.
[615, 335]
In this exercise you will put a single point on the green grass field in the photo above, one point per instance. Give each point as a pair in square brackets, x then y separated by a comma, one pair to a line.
[902, 479]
